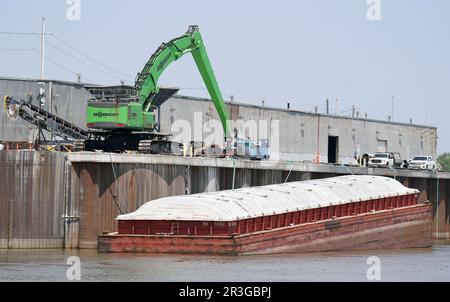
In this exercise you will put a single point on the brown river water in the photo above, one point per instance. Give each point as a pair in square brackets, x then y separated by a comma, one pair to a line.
[431, 264]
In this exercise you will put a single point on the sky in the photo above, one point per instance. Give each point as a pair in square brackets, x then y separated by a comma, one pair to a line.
[301, 52]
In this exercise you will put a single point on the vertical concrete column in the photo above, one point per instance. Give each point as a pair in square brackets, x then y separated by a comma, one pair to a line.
[441, 227]
[245, 180]
[277, 177]
[212, 179]
[446, 208]
[71, 208]
[89, 198]
[10, 235]
[404, 181]
[306, 176]
[187, 180]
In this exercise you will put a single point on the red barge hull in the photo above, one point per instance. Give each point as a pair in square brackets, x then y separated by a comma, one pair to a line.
[397, 228]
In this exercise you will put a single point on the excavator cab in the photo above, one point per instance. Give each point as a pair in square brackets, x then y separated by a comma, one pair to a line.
[113, 111]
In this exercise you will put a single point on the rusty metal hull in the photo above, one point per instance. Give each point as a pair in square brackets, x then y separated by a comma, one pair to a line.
[408, 227]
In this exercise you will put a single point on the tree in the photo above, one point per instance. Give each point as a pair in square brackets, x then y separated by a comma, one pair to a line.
[444, 161]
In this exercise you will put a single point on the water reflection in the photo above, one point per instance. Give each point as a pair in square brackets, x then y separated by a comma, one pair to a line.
[396, 265]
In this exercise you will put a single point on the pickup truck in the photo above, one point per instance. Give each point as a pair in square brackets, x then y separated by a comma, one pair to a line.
[385, 159]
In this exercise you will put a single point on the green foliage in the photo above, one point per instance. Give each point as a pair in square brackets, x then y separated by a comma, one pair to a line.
[444, 161]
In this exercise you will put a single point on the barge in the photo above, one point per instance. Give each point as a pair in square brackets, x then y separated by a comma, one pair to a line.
[332, 214]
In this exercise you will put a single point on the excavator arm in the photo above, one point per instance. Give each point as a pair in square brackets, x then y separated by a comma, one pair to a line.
[191, 42]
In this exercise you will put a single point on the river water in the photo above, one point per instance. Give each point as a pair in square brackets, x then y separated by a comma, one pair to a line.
[431, 264]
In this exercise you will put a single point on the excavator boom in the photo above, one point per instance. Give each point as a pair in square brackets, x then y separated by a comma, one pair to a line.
[140, 116]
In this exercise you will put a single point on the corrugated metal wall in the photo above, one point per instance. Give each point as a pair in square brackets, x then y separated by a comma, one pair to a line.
[68, 101]
[38, 189]
[31, 199]
[96, 195]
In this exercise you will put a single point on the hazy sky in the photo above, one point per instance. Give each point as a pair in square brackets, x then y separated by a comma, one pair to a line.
[300, 52]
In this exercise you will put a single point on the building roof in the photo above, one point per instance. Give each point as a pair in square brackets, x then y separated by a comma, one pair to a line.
[243, 203]
[200, 99]
[44, 81]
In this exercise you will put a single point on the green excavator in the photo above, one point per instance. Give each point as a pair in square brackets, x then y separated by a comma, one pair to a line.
[130, 124]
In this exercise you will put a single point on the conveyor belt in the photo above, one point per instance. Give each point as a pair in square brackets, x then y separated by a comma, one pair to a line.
[46, 120]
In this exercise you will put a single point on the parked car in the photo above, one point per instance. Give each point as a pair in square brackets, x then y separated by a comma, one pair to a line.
[382, 159]
[422, 162]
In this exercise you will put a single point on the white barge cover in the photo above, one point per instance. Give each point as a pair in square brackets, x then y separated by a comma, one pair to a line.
[231, 205]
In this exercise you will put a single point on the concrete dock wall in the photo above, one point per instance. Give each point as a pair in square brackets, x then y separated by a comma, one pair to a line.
[50, 200]
[193, 175]
[438, 192]
[32, 198]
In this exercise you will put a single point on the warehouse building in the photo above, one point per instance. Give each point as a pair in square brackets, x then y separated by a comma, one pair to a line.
[304, 136]
[292, 135]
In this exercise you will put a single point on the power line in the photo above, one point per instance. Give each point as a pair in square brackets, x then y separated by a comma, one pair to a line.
[128, 77]
[123, 75]
[59, 49]
[67, 69]
[17, 49]
[62, 66]
[89, 57]
[17, 17]
[82, 62]
[18, 33]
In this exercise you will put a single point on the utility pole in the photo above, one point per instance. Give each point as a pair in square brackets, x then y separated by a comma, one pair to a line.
[43, 48]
